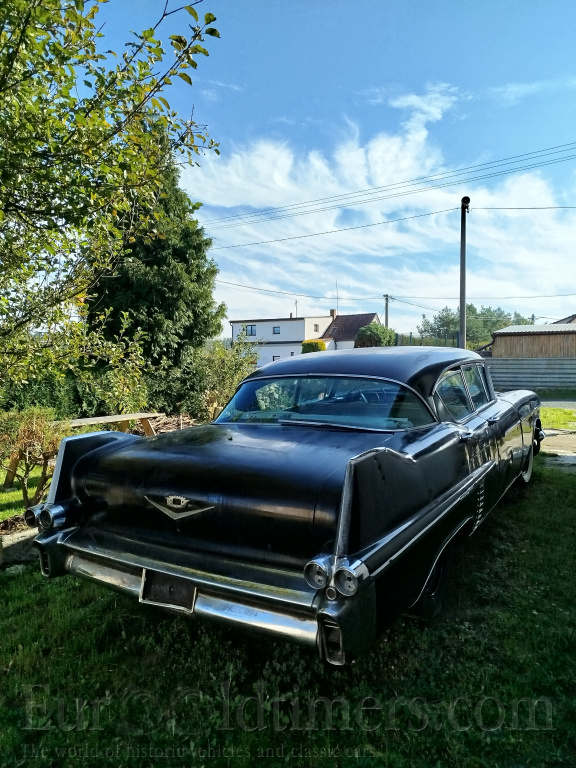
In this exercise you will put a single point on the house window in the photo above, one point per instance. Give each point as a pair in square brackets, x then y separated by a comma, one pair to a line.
[276, 329]
[291, 354]
[316, 328]
[250, 330]
[275, 357]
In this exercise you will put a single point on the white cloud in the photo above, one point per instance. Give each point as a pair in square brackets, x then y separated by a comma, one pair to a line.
[230, 86]
[427, 108]
[512, 93]
[511, 253]
[209, 94]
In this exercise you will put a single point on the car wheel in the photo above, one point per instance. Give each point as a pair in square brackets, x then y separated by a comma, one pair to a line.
[526, 472]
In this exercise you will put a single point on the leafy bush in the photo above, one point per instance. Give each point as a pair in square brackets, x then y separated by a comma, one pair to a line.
[374, 335]
[205, 380]
[48, 390]
[313, 345]
[33, 436]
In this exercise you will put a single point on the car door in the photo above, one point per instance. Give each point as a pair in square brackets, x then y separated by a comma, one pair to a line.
[506, 427]
[463, 397]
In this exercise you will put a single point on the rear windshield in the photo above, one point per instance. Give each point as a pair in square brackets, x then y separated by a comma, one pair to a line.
[332, 400]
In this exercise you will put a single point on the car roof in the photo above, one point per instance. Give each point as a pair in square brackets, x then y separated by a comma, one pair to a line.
[418, 367]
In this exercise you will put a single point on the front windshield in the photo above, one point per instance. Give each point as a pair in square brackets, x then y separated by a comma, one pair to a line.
[333, 400]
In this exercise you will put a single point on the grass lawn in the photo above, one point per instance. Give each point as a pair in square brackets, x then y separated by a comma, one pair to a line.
[558, 418]
[89, 678]
[11, 500]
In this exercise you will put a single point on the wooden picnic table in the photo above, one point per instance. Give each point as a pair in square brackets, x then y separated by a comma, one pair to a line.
[123, 419]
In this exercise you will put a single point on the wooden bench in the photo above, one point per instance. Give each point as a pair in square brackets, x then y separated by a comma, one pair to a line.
[123, 419]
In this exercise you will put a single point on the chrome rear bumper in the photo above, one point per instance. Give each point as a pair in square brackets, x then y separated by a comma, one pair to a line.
[230, 610]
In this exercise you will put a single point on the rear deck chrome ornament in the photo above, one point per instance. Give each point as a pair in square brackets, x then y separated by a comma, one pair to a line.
[179, 507]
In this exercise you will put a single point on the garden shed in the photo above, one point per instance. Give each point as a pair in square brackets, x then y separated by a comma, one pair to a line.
[552, 340]
[534, 356]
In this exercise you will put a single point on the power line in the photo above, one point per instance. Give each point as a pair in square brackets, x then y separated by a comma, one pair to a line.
[392, 221]
[524, 208]
[541, 152]
[255, 289]
[397, 189]
[332, 231]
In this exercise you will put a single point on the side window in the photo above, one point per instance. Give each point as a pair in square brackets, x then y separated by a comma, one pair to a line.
[476, 385]
[453, 397]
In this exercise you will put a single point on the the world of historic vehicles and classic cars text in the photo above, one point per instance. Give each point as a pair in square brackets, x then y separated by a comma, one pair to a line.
[318, 506]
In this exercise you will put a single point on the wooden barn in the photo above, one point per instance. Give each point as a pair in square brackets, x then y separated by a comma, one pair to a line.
[535, 341]
[534, 356]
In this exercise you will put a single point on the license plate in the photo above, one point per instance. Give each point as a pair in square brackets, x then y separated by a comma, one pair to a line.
[167, 591]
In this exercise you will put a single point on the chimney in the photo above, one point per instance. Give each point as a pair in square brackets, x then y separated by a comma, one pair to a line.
[333, 313]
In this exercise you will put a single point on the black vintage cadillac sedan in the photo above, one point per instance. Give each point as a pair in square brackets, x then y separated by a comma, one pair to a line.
[319, 505]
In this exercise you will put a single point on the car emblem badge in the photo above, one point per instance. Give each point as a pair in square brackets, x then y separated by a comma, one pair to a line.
[178, 507]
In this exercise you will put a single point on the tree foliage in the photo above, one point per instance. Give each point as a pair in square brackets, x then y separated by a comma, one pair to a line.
[374, 335]
[313, 345]
[480, 323]
[164, 284]
[86, 137]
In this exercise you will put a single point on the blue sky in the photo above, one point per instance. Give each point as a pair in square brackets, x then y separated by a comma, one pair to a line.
[314, 100]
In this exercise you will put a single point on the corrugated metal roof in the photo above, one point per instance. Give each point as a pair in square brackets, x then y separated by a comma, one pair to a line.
[550, 328]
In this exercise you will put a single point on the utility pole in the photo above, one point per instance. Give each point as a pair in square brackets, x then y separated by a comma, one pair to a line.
[463, 211]
[386, 300]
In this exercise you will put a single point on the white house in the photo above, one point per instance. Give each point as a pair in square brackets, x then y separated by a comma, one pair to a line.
[283, 336]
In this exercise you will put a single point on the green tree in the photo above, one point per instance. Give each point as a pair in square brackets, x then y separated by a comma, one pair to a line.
[205, 379]
[86, 138]
[480, 323]
[446, 321]
[164, 283]
[374, 335]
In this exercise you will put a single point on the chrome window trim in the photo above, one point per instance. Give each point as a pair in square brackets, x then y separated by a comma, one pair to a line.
[486, 382]
[476, 410]
[451, 372]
